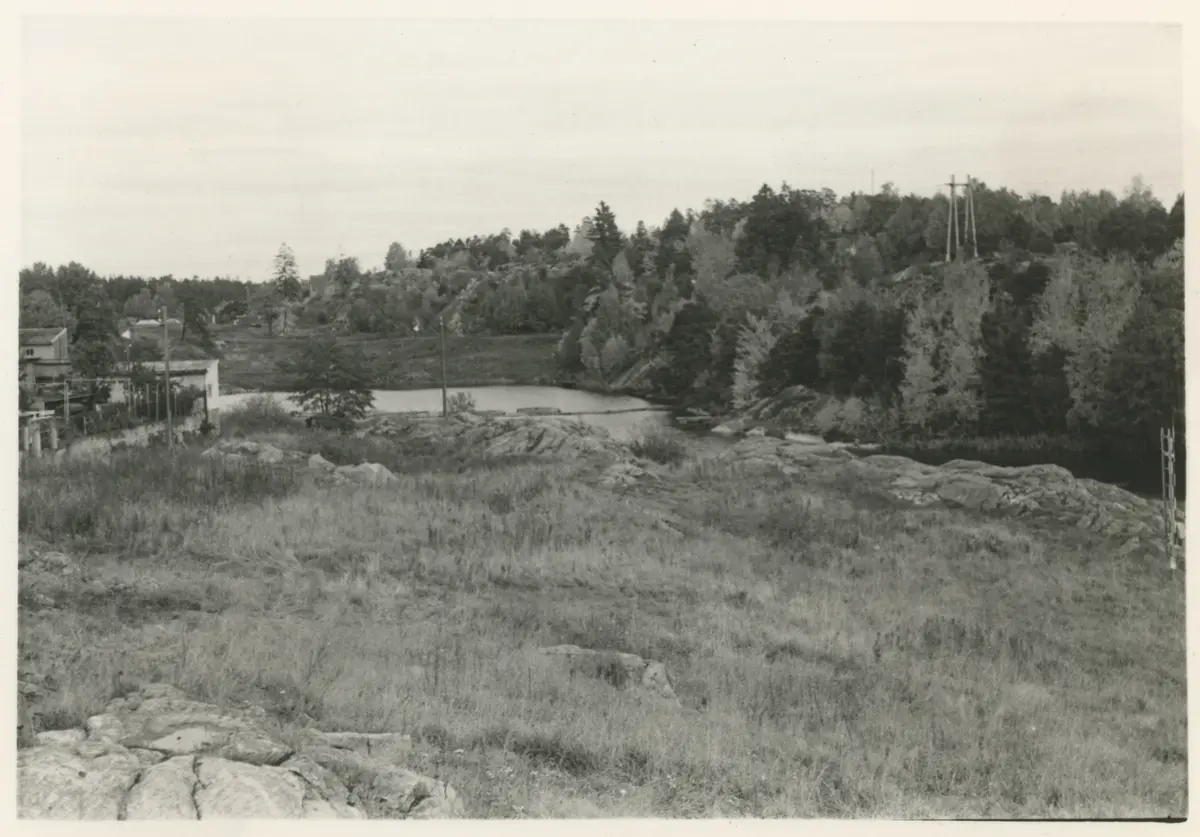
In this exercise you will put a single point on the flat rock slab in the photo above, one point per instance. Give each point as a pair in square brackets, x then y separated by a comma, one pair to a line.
[156, 754]
[57, 783]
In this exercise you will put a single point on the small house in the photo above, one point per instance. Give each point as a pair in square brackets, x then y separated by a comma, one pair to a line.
[204, 375]
[45, 356]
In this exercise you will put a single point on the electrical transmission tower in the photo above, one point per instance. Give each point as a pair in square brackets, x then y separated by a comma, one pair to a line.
[954, 235]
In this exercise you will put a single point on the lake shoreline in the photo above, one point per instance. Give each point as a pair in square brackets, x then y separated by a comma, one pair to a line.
[621, 415]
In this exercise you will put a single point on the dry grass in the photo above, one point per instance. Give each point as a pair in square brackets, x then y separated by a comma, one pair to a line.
[835, 657]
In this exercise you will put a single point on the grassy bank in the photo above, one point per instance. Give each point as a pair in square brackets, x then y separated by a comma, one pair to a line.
[836, 656]
[251, 359]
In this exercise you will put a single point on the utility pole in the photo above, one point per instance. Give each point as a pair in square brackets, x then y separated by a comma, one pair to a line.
[445, 398]
[950, 217]
[972, 230]
[954, 217]
[129, 371]
[1167, 451]
[167, 375]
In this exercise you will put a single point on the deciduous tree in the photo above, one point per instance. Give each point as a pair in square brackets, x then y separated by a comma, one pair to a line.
[330, 378]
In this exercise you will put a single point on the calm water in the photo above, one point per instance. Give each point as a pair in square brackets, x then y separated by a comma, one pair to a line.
[509, 400]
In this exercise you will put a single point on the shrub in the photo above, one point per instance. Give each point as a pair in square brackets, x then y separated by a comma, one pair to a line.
[460, 402]
[259, 413]
[828, 417]
[851, 418]
[661, 447]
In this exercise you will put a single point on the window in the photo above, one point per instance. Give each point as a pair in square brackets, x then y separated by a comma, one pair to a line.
[29, 353]
[209, 390]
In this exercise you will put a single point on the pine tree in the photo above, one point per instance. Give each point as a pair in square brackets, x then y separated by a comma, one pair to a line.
[605, 238]
[642, 249]
[286, 277]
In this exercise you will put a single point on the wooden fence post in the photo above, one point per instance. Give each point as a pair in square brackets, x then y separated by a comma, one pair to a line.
[1167, 452]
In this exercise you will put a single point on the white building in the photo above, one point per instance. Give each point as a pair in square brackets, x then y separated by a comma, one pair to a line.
[204, 375]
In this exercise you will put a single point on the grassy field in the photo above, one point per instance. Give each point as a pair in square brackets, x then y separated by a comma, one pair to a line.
[251, 359]
[836, 656]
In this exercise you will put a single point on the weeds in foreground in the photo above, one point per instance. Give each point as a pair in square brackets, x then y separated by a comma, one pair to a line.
[141, 499]
[831, 660]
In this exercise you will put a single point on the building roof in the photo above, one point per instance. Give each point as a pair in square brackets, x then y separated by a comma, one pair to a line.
[176, 365]
[154, 323]
[40, 336]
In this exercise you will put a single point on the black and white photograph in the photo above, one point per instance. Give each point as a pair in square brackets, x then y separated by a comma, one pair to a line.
[574, 413]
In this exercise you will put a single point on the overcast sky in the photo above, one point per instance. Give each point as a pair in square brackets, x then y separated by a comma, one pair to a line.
[156, 146]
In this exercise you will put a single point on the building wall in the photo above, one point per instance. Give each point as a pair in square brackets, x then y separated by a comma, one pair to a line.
[50, 370]
[212, 379]
[138, 436]
[55, 351]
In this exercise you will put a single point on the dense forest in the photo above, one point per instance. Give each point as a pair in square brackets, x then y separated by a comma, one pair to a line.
[1068, 321]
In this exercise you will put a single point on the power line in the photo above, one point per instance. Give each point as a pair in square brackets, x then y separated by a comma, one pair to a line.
[953, 231]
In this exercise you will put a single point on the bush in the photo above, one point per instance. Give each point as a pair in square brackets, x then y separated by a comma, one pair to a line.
[661, 447]
[460, 402]
[258, 414]
[828, 418]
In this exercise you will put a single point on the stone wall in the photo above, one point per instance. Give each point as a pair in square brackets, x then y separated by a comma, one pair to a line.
[102, 445]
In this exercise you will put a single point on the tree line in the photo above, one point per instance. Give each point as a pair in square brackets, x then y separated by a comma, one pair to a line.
[1069, 321]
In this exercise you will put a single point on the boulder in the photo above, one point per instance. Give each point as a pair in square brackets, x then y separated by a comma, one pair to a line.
[729, 428]
[244, 449]
[230, 789]
[625, 474]
[621, 670]
[164, 792]
[320, 463]
[396, 793]
[369, 473]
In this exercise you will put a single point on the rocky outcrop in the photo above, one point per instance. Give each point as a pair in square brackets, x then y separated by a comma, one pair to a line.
[621, 670]
[156, 754]
[795, 408]
[628, 473]
[498, 435]
[369, 473]
[1037, 490]
[244, 450]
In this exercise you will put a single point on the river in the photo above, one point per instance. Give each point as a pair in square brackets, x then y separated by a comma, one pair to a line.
[599, 410]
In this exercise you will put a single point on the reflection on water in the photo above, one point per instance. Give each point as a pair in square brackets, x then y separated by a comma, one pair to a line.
[510, 399]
